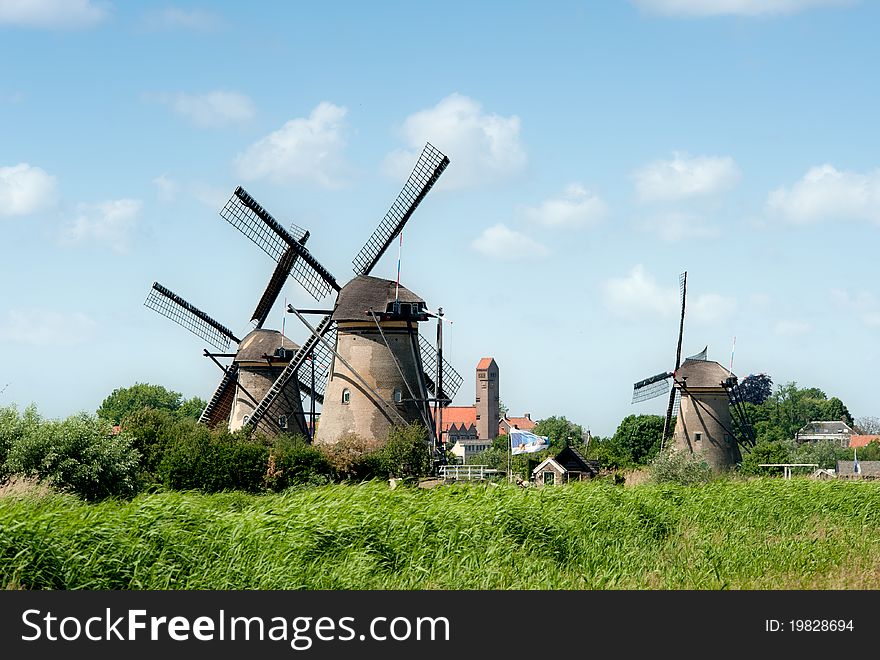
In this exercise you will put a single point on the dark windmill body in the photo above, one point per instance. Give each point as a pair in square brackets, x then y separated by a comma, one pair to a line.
[711, 421]
[705, 423]
[364, 361]
[377, 337]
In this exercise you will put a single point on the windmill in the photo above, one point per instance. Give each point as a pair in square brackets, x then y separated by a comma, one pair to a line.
[260, 357]
[711, 419]
[374, 370]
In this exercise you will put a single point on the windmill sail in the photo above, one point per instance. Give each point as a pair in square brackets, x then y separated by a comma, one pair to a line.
[169, 304]
[651, 388]
[428, 169]
[220, 406]
[682, 287]
[451, 378]
[244, 213]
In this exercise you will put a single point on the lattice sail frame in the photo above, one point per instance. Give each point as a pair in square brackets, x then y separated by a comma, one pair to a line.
[169, 304]
[451, 378]
[652, 387]
[244, 213]
[428, 169]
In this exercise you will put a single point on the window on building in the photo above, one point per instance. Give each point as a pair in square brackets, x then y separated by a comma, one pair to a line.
[282, 421]
[478, 417]
[698, 437]
[478, 399]
[549, 477]
[727, 438]
[398, 395]
[245, 419]
[346, 396]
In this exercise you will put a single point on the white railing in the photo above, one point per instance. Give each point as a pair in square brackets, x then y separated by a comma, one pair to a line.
[466, 472]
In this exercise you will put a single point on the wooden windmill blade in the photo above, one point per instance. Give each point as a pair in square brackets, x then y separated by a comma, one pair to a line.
[244, 213]
[682, 285]
[428, 169]
[220, 405]
[169, 304]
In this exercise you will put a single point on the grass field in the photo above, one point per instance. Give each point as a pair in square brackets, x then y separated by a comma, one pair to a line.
[760, 534]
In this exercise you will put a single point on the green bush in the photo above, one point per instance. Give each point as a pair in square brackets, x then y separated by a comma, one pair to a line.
[406, 453]
[13, 427]
[294, 462]
[679, 467]
[213, 461]
[80, 455]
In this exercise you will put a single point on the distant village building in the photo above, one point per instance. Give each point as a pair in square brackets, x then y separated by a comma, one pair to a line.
[567, 465]
[866, 470]
[839, 432]
[523, 423]
[862, 440]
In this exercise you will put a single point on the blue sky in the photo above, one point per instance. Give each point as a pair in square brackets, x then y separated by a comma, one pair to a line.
[598, 149]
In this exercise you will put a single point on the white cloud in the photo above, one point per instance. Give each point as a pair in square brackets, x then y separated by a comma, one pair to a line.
[167, 188]
[54, 14]
[710, 308]
[110, 222]
[213, 197]
[173, 18]
[733, 7]
[685, 177]
[39, 327]
[211, 109]
[863, 305]
[827, 193]
[309, 149]
[678, 225]
[575, 208]
[482, 148]
[792, 328]
[25, 189]
[638, 295]
[501, 242]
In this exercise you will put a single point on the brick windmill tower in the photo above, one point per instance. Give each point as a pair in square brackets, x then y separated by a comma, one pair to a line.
[711, 421]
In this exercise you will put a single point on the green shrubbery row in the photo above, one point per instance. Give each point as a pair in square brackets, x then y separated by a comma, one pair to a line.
[86, 455]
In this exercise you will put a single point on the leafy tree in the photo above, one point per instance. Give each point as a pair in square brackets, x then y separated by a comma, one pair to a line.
[126, 400]
[562, 433]
[80, 454]
[825, 453]
[294, 462]
[789, 408]
[756, 388]
[12, 428]
[766, 452]
[638, 437]
[406, 453]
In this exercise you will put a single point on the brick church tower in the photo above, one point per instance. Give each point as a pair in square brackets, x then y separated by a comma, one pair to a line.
[487, 402]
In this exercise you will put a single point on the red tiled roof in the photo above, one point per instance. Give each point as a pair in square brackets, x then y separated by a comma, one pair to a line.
[521, 423]
[862, 440]
[459, 415]
[484, 363]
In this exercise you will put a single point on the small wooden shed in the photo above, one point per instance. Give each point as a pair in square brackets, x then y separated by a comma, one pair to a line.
[567, 465]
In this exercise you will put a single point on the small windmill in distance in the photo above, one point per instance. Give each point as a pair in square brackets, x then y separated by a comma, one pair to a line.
[711, 420]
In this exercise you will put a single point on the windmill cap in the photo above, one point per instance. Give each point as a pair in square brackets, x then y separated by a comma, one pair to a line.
[702, 374]
[364, 293]
[262, 342]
